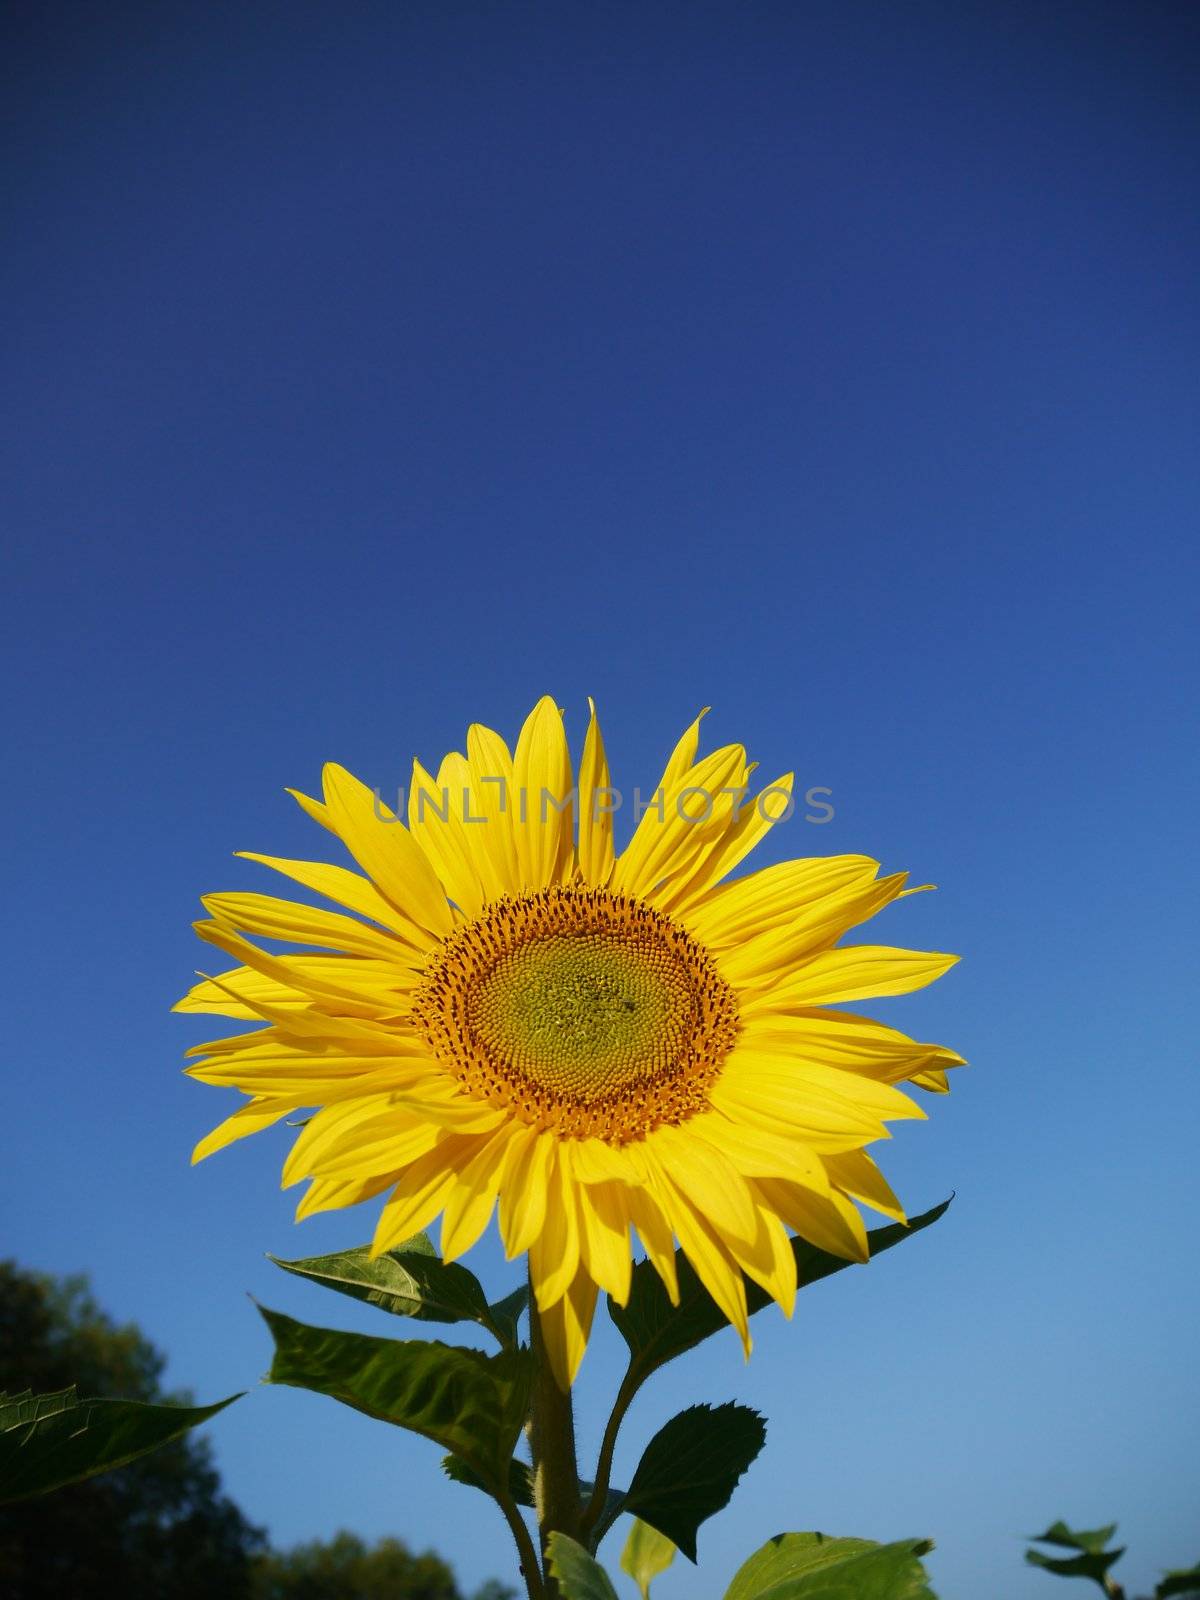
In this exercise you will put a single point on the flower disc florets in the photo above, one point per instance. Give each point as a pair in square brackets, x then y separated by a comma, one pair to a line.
[579, 1010]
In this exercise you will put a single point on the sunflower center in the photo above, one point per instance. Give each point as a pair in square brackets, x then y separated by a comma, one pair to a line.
[581, 1010]
[584, 1013]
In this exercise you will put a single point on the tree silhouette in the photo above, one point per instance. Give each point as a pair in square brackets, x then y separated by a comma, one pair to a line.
[159, 1526]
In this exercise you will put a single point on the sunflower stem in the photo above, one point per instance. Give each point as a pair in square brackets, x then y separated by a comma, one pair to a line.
[552, 1446]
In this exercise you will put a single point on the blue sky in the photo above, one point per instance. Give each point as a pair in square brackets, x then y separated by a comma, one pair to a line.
[372, 370]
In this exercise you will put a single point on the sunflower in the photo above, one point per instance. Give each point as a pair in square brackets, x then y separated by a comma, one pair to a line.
[505, 1012]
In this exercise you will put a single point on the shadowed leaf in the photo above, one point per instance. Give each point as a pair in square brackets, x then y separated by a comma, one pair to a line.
[1093, 1540]
[656, 1331]
[48, 1440]
[506, 1313]
[1093, 1560]
[471, 1404]
[413, 1281]
[690, 1469]
[1180, 1582]
[520, 1478]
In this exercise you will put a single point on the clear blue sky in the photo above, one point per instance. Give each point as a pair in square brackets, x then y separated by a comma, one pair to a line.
[373, 369]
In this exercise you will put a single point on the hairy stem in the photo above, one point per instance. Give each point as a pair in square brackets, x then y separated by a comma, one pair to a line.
[552, 1445]
[608, 1445]
[526, 1553]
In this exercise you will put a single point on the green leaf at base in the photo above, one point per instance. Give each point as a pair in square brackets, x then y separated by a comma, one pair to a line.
[690, 1469]
[647, 1553]
[413, 1281]
[520, 1478]
[1093, 1560]
[656, 1331]
[48, 1440]
[1180, 1583]
[580, 1576]
[470, 1403]
[814, 1566]
[1093, 1540]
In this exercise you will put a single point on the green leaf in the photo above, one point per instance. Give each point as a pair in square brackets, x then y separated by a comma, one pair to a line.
[520, 1478]
[814, 1566]
[48, 1440]
[690, 1469]
[1092, 1540]
[505, 1314]
[472, 1404]
[1179, 1582]
[656, 1331]
[580, 1576]
[1092, 1562]
[413, 1281]
[647, 1553]
[17, 1410]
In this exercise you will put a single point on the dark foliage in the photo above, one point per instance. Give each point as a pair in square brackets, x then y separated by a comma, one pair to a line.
[347, 1569]
[157, 1527]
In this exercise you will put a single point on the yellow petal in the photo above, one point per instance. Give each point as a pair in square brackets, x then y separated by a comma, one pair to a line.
[230, 994]
[934, 1081]
[823, 1121]
[442, 1103]
[842, 1039]
[761, 960]
[773, 897]
[300, 1022]
[216, 995]
[294, 923]
[523, 1190]
[544, 833]
[565, 1328]
[758, 1153]
[437, 814]
[386, 851]
[706, 1176]
[853, 972]
[339, 884]
[658, 1241]
[710, 1257]
[293, 1073]
[322, 1131]
[795, 1083]
[604, 1238]
[769, 1259]
[856, 1174]
[471, 1203]
[260, 1113]
[336, 1194]
[314, 809]
[830, 1222]
[753, 821]
[683, 757]
[596, 798]
[420, 1194]
[680, 824]
[554, 1253]
[390, 1142]
[493, 797]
